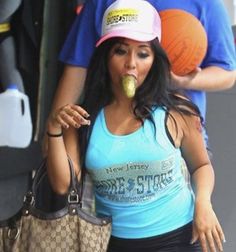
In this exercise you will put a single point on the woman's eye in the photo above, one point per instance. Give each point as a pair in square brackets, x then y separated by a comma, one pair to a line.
[143, 55]
[120, 51]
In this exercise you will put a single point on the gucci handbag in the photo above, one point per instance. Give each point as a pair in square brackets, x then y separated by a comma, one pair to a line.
[69, 229]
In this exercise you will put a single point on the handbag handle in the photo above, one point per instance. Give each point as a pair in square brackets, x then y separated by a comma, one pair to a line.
[74, 197]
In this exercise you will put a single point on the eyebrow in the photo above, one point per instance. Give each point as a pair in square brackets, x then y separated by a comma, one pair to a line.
[141, 45]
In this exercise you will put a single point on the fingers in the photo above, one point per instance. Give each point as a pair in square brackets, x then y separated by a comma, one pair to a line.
[194, 235]
[220, 232]
[71, 115]
[80, 110]
[196, 70]
[77, 115]
[203, 241]
[211, 240]
[219, 238]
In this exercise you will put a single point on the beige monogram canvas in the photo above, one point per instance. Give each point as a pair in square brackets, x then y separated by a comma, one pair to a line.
[1, 239]
[67, 234]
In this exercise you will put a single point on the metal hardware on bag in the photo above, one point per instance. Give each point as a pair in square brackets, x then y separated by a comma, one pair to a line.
[29, 198]
[35, 223]
[73, 197]
[26, 212]
[13, 235]
[72, 210]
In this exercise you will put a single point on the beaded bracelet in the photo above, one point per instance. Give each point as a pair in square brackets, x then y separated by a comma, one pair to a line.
[54, 135]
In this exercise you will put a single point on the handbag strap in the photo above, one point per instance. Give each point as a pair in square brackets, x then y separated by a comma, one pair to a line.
[74, 197]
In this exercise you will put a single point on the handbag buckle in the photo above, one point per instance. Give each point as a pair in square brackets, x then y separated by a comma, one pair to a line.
[29, 198]
[73, 197]
[13, 233]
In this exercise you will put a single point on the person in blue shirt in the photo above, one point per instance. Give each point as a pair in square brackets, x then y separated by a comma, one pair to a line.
[217, 68]
[134, 140]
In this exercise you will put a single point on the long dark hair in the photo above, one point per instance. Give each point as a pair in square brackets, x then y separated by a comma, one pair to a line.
[156, 91]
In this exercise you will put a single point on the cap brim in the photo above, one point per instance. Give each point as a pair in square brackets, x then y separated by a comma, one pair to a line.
[138, 36]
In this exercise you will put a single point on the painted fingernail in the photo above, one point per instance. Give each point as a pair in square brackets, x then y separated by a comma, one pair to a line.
[86, 115]
[84, 121]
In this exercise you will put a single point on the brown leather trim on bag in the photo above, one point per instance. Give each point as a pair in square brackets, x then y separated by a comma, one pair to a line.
[69, 229]
[73, 203]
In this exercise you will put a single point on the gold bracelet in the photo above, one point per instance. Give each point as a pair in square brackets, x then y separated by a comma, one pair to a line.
[54, 135]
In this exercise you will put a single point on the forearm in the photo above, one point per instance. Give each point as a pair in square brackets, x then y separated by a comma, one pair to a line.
[209, 79]
[70, 86]
[203, 181]
[57, 157]
[214, 79]
[68, 92]
[57, 165]
[206, 226]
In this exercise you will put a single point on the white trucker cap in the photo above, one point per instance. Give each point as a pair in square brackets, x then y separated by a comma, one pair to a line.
[133, 19]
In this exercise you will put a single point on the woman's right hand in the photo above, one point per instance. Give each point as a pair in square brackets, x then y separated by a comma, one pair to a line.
[67, 116]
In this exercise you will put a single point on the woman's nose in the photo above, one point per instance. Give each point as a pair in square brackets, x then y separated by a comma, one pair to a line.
[130, 62]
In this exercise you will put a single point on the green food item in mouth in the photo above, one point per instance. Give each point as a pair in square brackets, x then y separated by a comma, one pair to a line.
[129, 87]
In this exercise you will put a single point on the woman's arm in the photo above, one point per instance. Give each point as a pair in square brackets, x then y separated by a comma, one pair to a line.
[206, 226]
[66, 120]
[68, 92]
[209, 79]
[70, 87]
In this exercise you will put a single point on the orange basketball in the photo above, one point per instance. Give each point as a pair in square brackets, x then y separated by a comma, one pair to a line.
[184, 40]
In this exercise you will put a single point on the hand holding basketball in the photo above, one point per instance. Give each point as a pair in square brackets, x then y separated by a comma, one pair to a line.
[183, 81]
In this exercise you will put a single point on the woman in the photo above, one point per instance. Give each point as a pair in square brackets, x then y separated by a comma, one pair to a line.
[133, 144]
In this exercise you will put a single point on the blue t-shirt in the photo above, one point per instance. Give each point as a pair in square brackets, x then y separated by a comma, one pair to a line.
[86, 30]
[138, 179]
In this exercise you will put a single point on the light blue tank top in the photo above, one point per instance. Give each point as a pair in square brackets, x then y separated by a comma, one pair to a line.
[138, 179]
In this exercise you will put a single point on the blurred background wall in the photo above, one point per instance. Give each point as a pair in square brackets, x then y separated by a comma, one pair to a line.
[221, 124]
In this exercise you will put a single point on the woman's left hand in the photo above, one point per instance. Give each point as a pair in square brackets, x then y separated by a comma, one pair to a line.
[206, 228]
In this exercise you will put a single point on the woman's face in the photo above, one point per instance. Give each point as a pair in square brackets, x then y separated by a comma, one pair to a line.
[129, 57]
